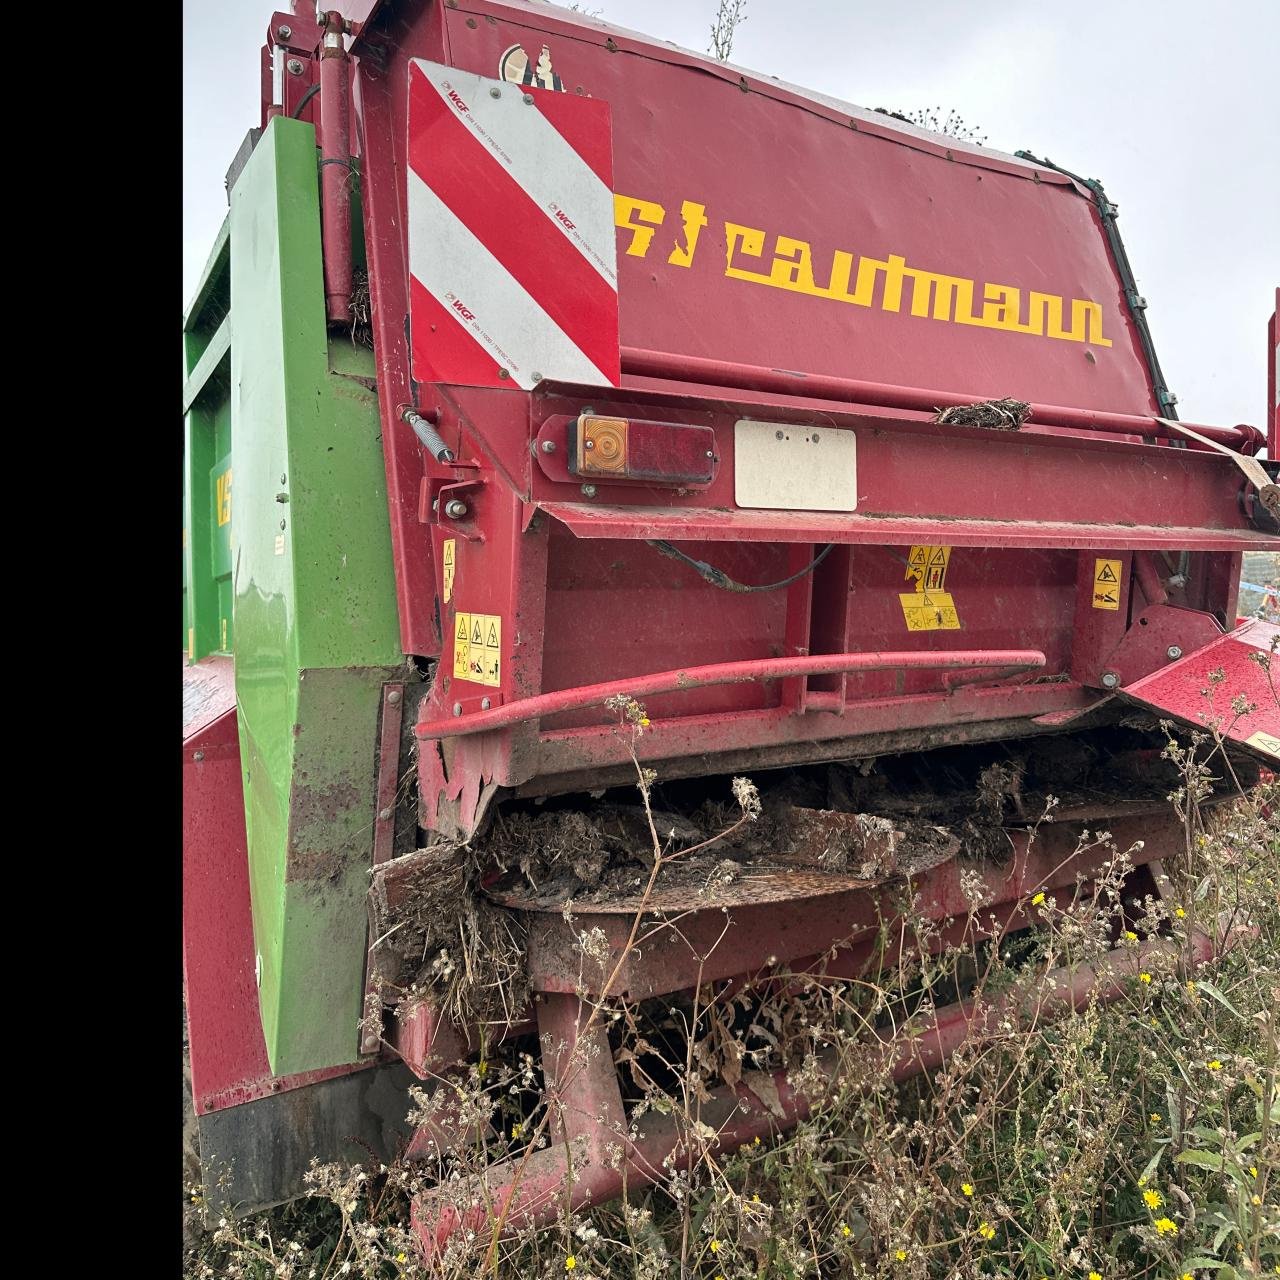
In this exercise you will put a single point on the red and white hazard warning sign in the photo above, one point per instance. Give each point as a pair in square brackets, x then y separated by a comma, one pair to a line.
[513, 270]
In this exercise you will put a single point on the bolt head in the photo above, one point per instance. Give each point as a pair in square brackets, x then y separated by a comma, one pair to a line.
[1173, 652]
[528, 99]
[457, 708]
[536, 376]
[295, 66]
[485, 704]
[588, 491]
[393, 698]
[1110, 680]
[199, 755]
[495, 93]
[588, 444]
[455, 508]
[284, 32]
[548, 446]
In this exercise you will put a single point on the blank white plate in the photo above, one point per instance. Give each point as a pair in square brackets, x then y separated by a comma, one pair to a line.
[782, 466]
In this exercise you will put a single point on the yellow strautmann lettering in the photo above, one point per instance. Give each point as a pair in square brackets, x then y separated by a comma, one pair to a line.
[876, 282]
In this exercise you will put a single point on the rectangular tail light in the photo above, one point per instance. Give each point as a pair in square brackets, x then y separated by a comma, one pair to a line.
[630, 449]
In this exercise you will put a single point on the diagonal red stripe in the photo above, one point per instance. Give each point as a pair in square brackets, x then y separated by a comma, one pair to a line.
[501, 215]
[584, 123]
[443, 351]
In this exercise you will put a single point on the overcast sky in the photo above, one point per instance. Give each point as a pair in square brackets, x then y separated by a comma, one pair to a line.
[1171, 103]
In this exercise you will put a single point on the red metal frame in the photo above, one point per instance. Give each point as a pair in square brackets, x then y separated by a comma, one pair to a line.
[725, 373]
[583, 1092]
[1000, 662]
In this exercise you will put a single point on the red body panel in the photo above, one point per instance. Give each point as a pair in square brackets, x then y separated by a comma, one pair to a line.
[710, 169]
[1227, 686]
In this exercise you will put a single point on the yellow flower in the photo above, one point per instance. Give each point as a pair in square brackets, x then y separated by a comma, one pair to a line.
[1095, 1275]
[845, 1230]
[1130, 936]
[1215, 1065]
[756, 1140]
[1142, 1181]
[1155, 1117]
[1152, 1198]
[644, 722]
[402, 1257]
[986, 1230]
[1166, 1226]
[1186, 1275]
[755, 1199]
[570, 1262]
[1038, 900]
[516, 1130]
[482, 1069]
[1178, 911]
[1191, 987]
[966, 1188]
[1253, 1171]
[715, 1246]
[1145, 978]
[1255, 1199]
[901, 1255]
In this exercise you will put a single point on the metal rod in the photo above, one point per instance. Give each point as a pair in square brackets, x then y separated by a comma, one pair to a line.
[536, 1190]
[431, 439]
[335, 170]
[717, 673]
[748, 377]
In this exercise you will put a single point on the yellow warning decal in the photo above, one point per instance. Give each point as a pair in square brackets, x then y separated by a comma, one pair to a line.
[1267, 742]
[929, 607]
[1106, 583]
[449, 553]
[477, 648]
[930, 611]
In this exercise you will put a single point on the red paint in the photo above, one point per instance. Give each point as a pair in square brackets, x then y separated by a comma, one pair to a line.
[1004, 662]
[1221, 685]
[535, 1190]
[336, 177]
[461, 170]
[723, 373]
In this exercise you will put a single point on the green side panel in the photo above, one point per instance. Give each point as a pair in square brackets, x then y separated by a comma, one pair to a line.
[316, 630]
[206, 521]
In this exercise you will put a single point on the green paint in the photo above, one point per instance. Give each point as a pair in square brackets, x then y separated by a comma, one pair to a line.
[316, 631]
[206, 357]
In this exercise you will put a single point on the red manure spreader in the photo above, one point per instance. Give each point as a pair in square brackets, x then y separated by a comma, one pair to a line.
[577, 428]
